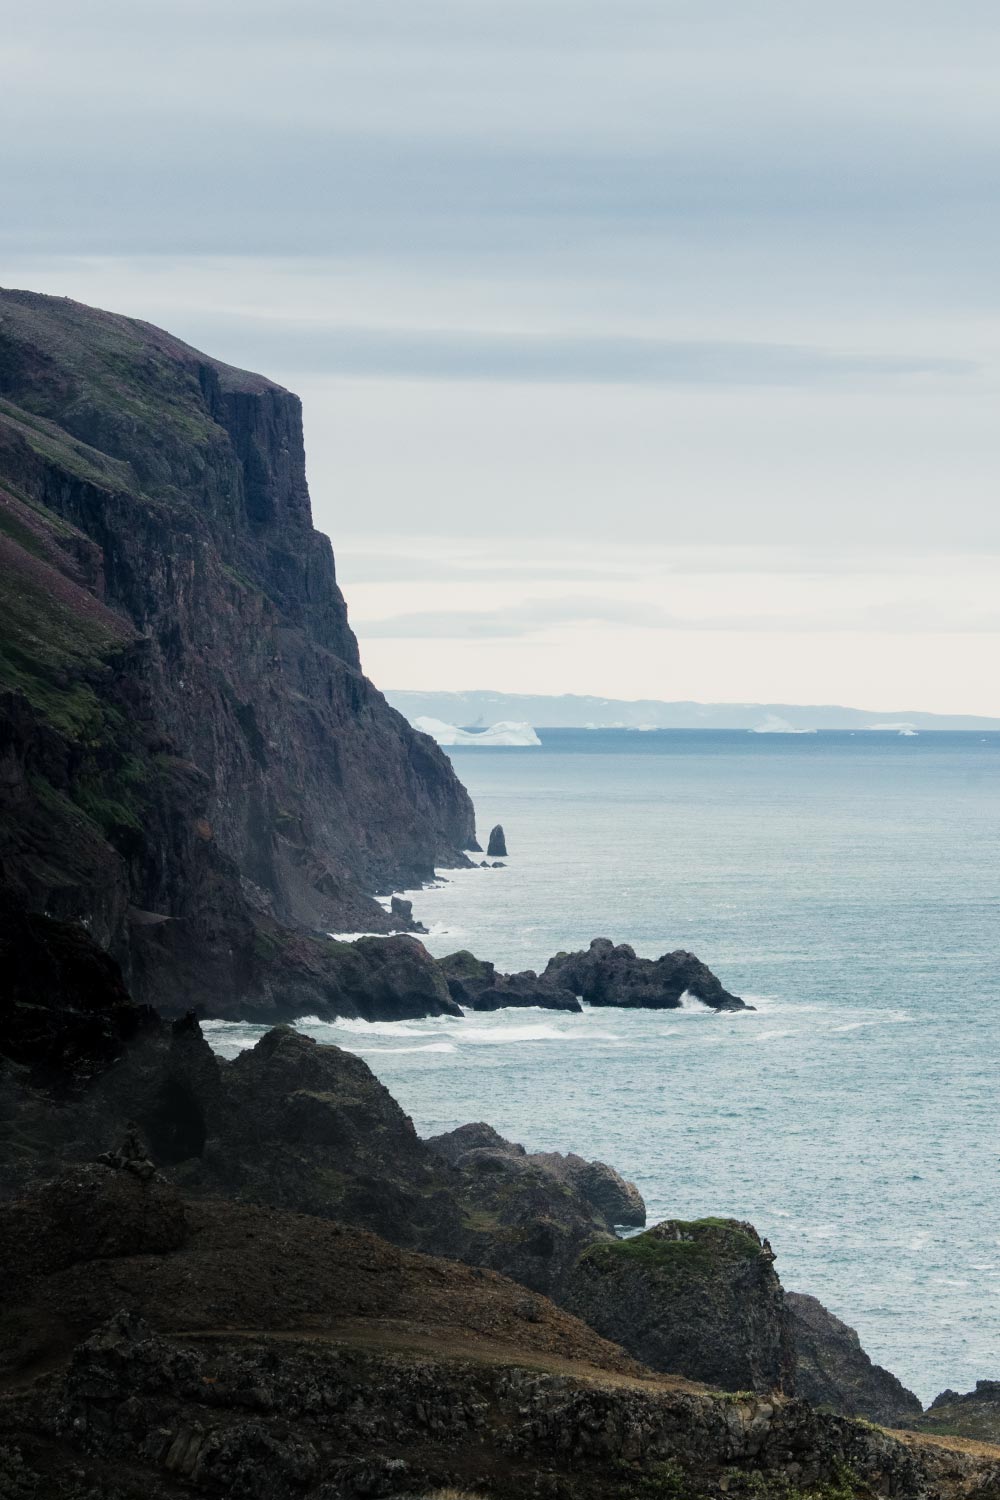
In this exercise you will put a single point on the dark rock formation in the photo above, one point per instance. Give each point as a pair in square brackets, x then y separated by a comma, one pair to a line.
[139, 1414]
[188, 746]
[608, 975]
[475, 983]
[832, 1369]
[616, 1201]
[497, 846]
[306, 1128]
[976, 1414]
[65, 1013]
[698, 1299]
[401, 912]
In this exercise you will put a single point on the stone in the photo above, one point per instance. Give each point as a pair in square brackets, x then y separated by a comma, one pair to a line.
[497, 845]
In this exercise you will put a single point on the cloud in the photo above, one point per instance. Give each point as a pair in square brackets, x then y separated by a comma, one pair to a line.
[535, 616]
[546, 358]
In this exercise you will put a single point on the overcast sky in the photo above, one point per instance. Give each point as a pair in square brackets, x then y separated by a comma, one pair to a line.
[647, 348]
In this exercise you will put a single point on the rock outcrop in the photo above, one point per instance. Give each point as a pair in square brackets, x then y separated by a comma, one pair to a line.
[476, 984]
[699, 1299]
[606, 974]
[976, 1414]
[832, 1369]
[188, 745]
[497, 846]
[616, 1201]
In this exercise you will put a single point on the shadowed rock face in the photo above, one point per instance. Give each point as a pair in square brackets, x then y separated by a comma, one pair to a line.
[187, 742]
[699, 1299]
[832, 1369]
[608, 975]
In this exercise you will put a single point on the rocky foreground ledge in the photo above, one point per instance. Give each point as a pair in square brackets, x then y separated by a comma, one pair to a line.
[252, 1278]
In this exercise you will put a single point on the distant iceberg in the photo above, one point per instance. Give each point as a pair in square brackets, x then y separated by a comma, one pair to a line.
[504, 733]
[901, 726]
[774, 725]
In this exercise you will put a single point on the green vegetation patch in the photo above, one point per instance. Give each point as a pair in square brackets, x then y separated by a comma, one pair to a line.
[695, 1247]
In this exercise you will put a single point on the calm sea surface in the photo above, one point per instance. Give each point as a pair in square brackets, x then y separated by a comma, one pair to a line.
[848, 885]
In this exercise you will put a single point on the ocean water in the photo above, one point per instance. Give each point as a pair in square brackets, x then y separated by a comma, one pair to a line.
[848, 885]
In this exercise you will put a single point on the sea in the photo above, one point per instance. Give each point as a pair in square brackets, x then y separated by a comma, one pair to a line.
[847, 885]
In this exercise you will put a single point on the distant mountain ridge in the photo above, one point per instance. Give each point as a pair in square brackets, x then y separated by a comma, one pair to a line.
[481, 707]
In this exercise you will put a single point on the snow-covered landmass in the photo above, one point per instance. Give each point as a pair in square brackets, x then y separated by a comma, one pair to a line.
[899, 725]
[505, 733]
[774, 725]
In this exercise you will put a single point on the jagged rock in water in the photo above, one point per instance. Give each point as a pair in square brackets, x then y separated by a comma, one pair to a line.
[476, 984]
[190, 748]
[613, 1199]
[832, 1369]
[497, 846]
[401, 912]
[699, 1299]
[608, 975]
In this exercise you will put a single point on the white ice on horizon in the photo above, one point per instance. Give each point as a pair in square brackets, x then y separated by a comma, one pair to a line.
[507, 732]
[774, 724]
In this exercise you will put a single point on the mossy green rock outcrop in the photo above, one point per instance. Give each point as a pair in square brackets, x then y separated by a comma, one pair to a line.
[699, 1299]
[186, 736]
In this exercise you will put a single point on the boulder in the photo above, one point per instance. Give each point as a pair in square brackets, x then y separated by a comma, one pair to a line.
[606, 974]
[832, 1369]
[453, 1145]
[697, 1299]
[497, 846]
[618, 1202]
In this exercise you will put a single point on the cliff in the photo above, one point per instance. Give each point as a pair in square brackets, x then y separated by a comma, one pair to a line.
[188, 746]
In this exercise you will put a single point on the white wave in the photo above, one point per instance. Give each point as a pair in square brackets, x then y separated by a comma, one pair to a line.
[499, 1035]
[368, 1028]
[384, 1051]
[352, 937]
[852, 1026]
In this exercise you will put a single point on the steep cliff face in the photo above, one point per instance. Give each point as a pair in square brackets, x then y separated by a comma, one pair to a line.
[185, 731]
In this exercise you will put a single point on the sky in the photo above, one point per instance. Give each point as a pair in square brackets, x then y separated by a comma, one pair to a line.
[647, 348]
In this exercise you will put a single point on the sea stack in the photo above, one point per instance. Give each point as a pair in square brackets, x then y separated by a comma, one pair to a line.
[497, 844]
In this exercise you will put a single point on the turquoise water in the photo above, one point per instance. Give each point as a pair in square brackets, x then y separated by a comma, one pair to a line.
[847, 885]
